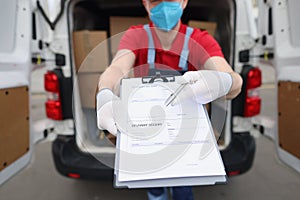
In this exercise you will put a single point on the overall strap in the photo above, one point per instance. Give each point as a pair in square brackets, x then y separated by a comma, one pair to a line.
[184, 53]
[151, 48]
[185, 50]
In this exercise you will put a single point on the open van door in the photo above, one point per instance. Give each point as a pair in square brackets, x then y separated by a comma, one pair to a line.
[16, 138]
[287, 63]
[281, 35]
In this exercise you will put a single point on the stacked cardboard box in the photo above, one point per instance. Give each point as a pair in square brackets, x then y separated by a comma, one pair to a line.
[120, 24]
[90, 51]
[210, 27]
[91, 59]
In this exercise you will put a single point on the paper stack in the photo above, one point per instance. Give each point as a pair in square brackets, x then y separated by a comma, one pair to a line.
[160, 146]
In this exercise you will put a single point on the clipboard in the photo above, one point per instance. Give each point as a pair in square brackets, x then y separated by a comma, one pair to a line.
[125, 179]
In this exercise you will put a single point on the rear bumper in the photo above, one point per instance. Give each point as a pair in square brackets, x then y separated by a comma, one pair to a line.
[68, 159]
[239, 155]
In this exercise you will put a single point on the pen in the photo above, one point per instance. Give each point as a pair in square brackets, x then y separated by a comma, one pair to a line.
[172, 97]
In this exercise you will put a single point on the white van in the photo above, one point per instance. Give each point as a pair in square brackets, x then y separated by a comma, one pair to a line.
[31, 37]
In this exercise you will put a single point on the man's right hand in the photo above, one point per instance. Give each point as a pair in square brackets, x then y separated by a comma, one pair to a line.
[205, 85]
[105, 118]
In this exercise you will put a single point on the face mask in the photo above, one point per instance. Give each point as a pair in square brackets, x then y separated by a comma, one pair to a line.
[166, 15]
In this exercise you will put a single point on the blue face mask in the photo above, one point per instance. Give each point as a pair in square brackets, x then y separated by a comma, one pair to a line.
[166, 15]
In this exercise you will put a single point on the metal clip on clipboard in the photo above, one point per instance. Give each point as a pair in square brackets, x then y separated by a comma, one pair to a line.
[158, 77]
[164, 78]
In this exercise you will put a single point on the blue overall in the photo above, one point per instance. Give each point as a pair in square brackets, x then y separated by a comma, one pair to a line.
[178, 193]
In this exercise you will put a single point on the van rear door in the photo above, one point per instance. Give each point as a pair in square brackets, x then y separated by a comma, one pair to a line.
[282, 37]
[287, 63]
[15, 67]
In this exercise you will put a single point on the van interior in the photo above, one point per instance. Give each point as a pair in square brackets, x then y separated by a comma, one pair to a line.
[95, 15]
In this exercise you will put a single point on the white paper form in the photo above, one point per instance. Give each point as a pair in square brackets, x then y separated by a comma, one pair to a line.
[160, 142]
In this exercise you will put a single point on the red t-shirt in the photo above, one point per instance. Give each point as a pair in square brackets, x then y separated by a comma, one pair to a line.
[201, 47]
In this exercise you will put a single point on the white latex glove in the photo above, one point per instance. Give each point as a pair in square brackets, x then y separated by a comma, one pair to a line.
[105, 118]
[205, 85]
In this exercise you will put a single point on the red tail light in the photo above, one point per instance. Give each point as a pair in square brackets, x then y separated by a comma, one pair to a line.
[51, 82]
[253, 101]
[53, 110]
[53, 104]
[254, 78]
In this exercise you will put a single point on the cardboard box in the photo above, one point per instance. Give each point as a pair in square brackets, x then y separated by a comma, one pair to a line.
[120, 24]
[210, 27]
[88, 85]
[90, 51]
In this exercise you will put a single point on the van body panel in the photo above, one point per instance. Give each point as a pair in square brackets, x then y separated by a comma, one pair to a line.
[15, 67]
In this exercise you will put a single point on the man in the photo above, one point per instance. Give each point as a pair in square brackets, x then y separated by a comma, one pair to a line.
[167, 44]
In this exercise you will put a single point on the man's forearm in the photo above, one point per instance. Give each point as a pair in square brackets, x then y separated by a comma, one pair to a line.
[110, 78]
[236, 87]
[220, 64]
[120, 67]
